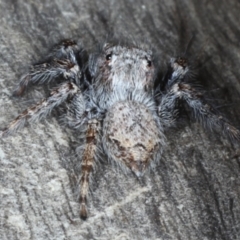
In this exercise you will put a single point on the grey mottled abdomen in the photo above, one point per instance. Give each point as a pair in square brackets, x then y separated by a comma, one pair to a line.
[132, 136]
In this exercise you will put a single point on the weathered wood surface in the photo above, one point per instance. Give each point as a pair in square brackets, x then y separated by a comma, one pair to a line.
[194, 190]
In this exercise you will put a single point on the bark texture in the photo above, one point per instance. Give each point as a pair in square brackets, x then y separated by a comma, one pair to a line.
[192, 193]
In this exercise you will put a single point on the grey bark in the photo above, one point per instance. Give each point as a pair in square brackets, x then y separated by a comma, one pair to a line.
[193, 191]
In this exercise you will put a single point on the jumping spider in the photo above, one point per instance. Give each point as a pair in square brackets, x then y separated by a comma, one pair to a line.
[113, 99]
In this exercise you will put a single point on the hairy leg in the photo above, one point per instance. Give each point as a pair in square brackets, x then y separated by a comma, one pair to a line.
[61, 63]
[75, 113]
[201, 110]
[168, 112]
[43, 108]
[205, 113]
[88, 156]
[175, 88]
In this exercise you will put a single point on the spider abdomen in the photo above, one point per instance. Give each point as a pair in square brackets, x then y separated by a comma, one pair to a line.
[131, 135]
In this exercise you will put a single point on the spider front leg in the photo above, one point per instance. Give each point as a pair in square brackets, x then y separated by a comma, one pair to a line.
[43, 108]
[205, 113]
[177, 90]
[62, 63]
[168, 101]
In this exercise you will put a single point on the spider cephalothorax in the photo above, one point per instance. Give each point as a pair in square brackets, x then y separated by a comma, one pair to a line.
[112, 99]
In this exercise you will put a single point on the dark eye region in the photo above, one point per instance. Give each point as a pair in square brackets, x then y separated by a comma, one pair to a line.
[109, 56]
[182, 61]
[149, 62]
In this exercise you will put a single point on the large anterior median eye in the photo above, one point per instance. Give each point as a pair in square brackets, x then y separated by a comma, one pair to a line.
[149, 62]
[109, 56]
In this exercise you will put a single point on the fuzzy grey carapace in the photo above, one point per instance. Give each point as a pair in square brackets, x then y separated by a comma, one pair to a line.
[114, 103]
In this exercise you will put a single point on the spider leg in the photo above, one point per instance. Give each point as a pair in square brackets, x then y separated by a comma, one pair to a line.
[61, 63]
[75, 113]
[167, 109]
[176, 88]
[201, 110]
[89, 153]
[205, 113]
[43, 108]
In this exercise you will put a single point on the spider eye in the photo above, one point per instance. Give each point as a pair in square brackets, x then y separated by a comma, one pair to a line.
[182, 62]
[109, 57]
[149, 62]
